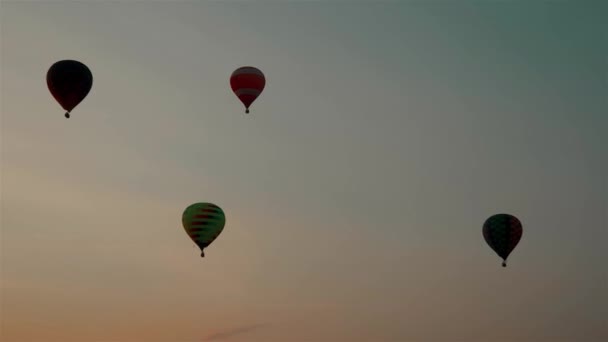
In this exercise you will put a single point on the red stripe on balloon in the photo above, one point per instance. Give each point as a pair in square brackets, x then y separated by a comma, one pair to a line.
[205, 216]
[201, 223]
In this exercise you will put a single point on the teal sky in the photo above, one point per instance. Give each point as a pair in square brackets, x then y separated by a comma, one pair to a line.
[354, 192]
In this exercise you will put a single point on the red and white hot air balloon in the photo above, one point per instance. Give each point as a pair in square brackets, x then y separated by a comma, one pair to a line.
[247, 83]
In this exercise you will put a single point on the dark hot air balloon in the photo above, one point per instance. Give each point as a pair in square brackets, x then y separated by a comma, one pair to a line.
[69, 82]
[502, 232]
[203, 222]
[247, 84]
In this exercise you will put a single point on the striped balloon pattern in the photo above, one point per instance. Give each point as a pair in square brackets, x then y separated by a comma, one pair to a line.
[203, 222]
[502, 232]
[247, 84]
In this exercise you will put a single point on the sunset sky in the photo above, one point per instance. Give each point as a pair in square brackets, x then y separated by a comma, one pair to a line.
[354, 192]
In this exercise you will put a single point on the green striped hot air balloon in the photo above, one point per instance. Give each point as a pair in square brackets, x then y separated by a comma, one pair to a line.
[203, 222]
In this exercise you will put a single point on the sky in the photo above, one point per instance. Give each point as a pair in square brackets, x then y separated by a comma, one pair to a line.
[354, 192]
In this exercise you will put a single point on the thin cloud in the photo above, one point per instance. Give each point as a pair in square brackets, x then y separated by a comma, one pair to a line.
[237, 331]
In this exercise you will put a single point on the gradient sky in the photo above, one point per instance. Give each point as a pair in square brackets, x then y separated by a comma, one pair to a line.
[354, 192]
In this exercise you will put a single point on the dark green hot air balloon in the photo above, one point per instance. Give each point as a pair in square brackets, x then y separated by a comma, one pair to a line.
[203, 222]
[502, 232]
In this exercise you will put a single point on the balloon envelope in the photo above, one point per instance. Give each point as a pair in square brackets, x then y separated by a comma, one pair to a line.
[203, 222]
[69, 82]
[247, 84]
[502, 232]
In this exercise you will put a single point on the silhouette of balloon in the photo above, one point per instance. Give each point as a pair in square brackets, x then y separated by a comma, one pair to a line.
[69, 82]
[502, 232]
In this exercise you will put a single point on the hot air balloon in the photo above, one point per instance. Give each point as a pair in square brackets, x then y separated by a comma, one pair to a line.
[69, 82]
[247, 83]
[203, 222]
[502, 232]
